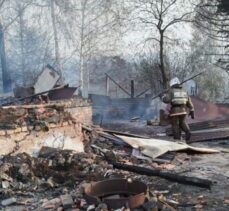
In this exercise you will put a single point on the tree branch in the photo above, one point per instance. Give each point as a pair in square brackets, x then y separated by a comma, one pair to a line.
[167, 7]
[177, 20]
[2, 2]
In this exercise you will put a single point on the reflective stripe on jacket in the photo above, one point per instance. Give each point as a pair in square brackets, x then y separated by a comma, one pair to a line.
[179, 97]
[179, 100]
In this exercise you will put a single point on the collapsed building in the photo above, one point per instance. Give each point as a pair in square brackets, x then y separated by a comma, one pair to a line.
[62, 152]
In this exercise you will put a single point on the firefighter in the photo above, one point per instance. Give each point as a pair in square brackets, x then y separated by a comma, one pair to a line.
[181, 105]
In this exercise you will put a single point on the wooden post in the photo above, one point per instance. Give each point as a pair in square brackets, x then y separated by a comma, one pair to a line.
[107, 85]
[132, 88]
[118, 85]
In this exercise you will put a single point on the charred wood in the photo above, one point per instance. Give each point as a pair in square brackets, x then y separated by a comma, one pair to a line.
[204, 183]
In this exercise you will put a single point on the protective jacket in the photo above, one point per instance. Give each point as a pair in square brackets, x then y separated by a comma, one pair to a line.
[180, 101]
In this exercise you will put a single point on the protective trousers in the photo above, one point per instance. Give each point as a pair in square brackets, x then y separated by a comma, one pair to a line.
[178, 125]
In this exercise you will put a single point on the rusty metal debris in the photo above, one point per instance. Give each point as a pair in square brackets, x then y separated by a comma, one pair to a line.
[62, 93]
[117, 193]
[38, 97]
[45, 81]
[45, 85]
[20, 91]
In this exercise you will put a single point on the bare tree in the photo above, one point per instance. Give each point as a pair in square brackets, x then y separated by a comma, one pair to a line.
[87, 28]
[160, 17]
[51, 10]
[150, 73]
[56, 41]
[93, 33]
[27, 43]
[18, 9]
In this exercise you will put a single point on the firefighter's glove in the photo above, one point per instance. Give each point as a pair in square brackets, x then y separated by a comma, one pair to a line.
[191, 113]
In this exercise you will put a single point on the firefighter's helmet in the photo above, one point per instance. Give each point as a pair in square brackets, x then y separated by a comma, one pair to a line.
[174, 81]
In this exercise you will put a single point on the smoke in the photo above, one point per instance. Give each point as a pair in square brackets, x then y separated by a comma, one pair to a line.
[154, 109]
[106, 109]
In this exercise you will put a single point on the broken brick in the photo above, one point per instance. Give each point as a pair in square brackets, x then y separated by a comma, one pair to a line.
[67, 201]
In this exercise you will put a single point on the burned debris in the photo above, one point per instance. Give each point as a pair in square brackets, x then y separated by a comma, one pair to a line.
[116, 193]
[53, 157]
[107, 176]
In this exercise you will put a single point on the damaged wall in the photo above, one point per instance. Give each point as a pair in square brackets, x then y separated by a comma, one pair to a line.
[31, 115]
[64, 137]
[26, 128]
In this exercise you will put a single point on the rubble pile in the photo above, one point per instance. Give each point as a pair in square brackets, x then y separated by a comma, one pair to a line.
[56, 179]
[62, 173]
[57, 165]
[53, 168]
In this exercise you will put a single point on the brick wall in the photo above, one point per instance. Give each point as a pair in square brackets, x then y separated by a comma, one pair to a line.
[26, 128]
[21, 116]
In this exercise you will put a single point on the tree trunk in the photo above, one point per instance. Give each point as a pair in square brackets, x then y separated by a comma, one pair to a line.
[57, 53]
[162, 65]
[6, 80]
[82, 65]
[21, 23]
[81, 87]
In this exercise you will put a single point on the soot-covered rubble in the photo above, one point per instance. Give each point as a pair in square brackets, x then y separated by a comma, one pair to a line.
[56, 178]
